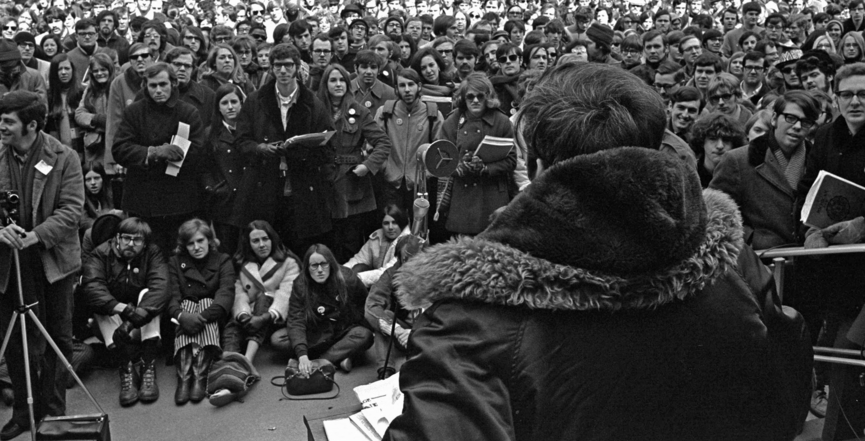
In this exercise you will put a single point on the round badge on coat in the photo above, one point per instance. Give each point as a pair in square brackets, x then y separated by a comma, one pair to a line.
[135, 270]
[420, 127]
[385, 73]
[513, 111]
[351, 120]
[320, 310]
[368, 104]
[399, 121]
[351, 111]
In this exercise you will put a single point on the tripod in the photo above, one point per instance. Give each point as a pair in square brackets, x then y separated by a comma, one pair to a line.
[23, 312]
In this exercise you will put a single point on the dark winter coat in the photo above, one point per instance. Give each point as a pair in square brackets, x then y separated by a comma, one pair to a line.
[109, 279]
[356, 128]
[752, 176]
[215, 281]
[259, 121]
[475, 197]
[147, 190]
[225, 162]
[611, 300]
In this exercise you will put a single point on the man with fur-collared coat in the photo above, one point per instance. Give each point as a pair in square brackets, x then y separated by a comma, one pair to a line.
[612, 299]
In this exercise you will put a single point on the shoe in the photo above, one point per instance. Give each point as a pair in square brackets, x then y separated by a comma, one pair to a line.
[818, 403]
[149, 389]
[200, 368]
[183, 365]
[346, 365]
[12, 430]
[128, 385]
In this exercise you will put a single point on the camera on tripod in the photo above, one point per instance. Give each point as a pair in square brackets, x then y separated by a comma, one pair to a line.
[9, 204]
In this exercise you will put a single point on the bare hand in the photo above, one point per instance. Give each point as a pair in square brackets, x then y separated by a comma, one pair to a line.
[304, 365]
[384, 326]
[361, 170]
[269, 149]
[11, 236]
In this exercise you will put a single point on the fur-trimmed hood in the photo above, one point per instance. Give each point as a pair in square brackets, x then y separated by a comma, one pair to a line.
[508, 266]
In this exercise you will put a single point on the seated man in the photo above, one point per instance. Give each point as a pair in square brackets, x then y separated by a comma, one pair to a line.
[125, 284]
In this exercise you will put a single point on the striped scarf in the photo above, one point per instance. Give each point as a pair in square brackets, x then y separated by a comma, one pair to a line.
[793, 167]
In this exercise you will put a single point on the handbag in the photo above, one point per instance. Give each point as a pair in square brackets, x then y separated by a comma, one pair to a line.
[76, 427]
[320, 380]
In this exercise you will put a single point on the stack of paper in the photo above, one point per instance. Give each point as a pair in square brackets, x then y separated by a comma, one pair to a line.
[181, 139]
[382, 402]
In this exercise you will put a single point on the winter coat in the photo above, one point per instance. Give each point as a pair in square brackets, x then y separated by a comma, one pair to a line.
[116, 42]
[407, 130]
[355, 129]
[225, 162]
[752, 176]
[80, 61]
[260, 121]
[91, 118]
[122, 94]
[272, 279]
[109, 279]
[611, 300]
[476, 197]
[214, 281]
[28, 79]
[331, 318]
[148, 190]
[57, 205]
[371, 255]
[374, 97]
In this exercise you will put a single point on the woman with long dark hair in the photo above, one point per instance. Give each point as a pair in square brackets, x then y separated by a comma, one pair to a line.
[92, 112]
[266, 271]
[353, 197]
[431, 66]
[64, 94]
[326, 314]
[50, 46]
[97, 194]
[201, 283]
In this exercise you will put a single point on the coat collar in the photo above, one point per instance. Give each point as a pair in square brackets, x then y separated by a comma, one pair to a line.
[269, 104]
[49, 148]
[190, 271]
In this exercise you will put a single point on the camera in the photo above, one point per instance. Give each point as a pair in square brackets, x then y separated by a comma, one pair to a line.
[9, 203]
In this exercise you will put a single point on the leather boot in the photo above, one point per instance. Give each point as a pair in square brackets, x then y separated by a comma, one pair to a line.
[183, 364]
[149, 389]
[200, 368]
[128, 384]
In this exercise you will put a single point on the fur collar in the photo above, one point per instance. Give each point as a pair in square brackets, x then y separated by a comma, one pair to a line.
[481, 270]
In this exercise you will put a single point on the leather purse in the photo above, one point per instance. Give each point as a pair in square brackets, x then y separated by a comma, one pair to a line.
[319, 381]
[74, 427]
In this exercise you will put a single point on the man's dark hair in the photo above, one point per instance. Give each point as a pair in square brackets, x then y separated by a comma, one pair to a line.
[336, 32]
[85, 23]
[754, 56]
[776, 17]
[763, 44]
[581, 108]
[298, 27]
[156, 69]
[653, 34]
[322, 37]
[710, 59]
[710, 35]
[687, 93]
[467, 48]
[369, 58]
[284, 50]
[810, 106]
[246, 23]
[661, 12]
[809, 62]
[29, 106]
[632, 43]
[179, 51]
[54, 13]
[731, 10]
[134, 226]
[107, 13]
[442, 23]
[410, 74]
[854, 4]
[847, 71]
[716, 126]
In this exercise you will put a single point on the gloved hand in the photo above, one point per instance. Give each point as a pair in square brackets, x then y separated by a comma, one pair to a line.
[845, 232]
[137, 316]
[190, 323]
[256, 323]
[270, 150]
[165, 152]
[476, 165]
[122, 333]
[814, 239]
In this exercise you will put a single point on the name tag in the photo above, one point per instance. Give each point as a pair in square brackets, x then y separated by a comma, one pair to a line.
[43, 168]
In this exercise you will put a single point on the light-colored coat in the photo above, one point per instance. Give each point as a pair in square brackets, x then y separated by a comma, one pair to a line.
[277, 283]
[370, 254]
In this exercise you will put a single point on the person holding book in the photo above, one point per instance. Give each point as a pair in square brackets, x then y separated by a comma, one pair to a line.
[483, 180]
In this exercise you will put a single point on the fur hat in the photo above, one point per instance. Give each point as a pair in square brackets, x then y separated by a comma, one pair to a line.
[9, 50]
[751, 6]
[24, 37]
[600, 34]
[788, 57]
[622, 211]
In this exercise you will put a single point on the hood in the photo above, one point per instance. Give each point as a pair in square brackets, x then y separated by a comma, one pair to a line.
[556, 262]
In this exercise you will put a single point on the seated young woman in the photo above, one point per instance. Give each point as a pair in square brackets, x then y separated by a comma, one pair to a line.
[377, 254]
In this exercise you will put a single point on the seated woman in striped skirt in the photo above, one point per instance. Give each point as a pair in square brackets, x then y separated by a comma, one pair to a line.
[202, 294]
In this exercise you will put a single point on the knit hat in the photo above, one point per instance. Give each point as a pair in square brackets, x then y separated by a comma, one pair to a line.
[751, 6]
[788, 57]
[9, 50]
[600, 34]
[25, 37]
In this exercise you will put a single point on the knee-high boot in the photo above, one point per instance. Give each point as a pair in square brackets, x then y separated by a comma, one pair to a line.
[200, 368]
[183, 364]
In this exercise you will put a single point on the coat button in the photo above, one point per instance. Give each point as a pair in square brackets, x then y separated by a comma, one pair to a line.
[231, 171]
[229, 150]
[310, 188]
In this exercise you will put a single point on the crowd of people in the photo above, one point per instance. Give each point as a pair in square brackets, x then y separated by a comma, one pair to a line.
[169, 137]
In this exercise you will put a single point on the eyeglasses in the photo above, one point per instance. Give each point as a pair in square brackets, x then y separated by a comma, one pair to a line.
[15, 28]
[287, 65]
[631, 53]
[80, 34]
[259, 37]
[475, 96]
[848, 95]
[445, 51]
[257, 12]
[755, 68]
[319, 266]
[222, 39]
[504, 59]
[149, 36]
[717, 98]
[793, 119]
[179, 65]
[321, 51]
[139, 56]
[665, 87]
[787, 70]
[126, 239]
[691, 49]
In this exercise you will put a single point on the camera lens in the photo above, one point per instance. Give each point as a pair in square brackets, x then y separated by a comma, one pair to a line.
[12, 197]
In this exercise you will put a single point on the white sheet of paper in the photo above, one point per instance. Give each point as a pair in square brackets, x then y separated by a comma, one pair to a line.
[181, 139]
[43, 168]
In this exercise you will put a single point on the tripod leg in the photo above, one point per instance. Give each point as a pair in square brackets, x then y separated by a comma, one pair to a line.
[8, 334]
[27, 373]
[62, 358]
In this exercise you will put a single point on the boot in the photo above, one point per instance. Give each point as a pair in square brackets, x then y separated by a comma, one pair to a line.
[149, 389]
[200, 367]
[183, 364]
[128, 384]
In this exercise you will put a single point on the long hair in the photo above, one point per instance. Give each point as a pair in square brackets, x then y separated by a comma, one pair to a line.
[41, 53]
[104, 196]
[479, 82]
[324, 95]
[333, 287]
[56, 89]
[188, 229]
[94, 89]
[428, 51]
[216, 123]
[237, 76]
[245, 253]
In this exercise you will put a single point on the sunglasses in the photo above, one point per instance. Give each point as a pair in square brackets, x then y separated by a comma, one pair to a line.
[475, 96]
[717, 98]
[139, 56]
[504, 59]
[10, 28]
[259, 37]
[257, 12]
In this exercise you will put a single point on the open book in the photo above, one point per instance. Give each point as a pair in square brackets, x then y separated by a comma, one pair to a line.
[309, 139]
[832, 199]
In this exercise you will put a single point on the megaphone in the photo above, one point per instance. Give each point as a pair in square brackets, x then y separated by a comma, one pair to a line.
[440, 158]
